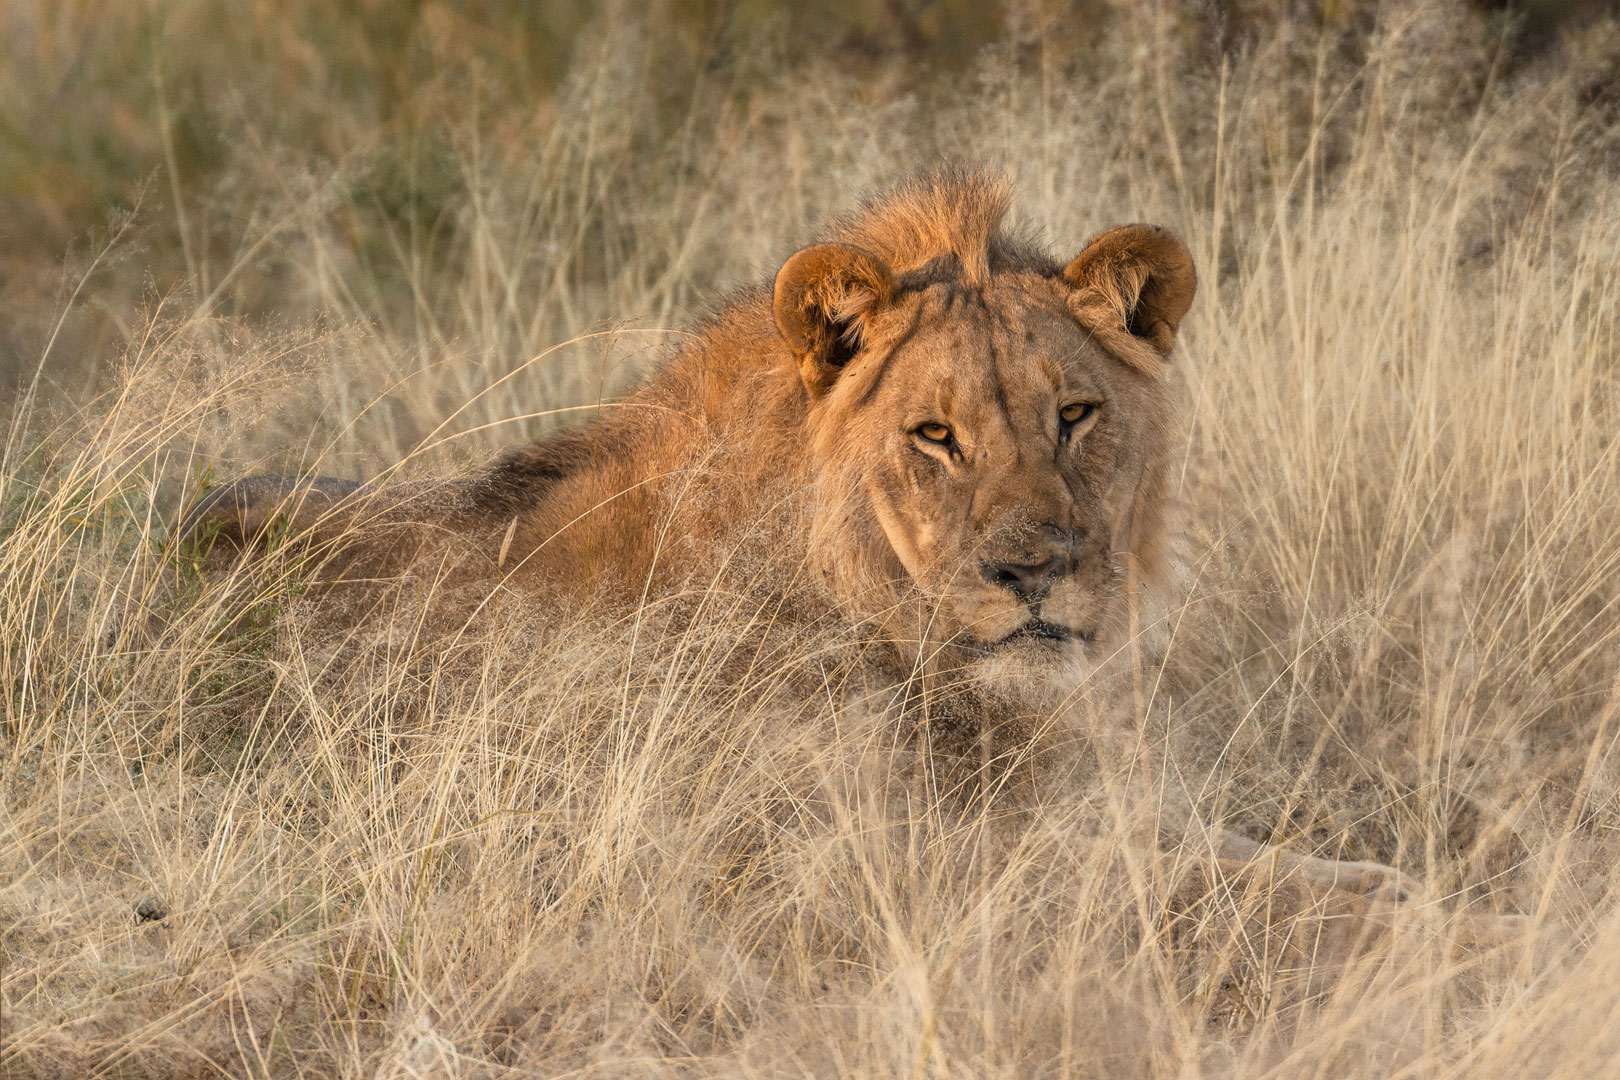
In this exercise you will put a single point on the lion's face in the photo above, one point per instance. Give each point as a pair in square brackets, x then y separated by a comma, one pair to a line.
[998, 452]
[981, 451]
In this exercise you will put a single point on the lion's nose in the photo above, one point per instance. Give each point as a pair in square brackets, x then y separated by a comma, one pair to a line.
[1029, 581]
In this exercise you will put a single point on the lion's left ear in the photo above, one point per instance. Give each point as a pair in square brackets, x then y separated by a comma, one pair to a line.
[1133, 283]
[823, 297]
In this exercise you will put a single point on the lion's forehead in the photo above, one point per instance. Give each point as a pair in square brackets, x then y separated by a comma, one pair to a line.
[992, 356]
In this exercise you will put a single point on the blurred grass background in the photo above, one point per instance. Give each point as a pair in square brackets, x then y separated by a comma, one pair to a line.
[196, 120]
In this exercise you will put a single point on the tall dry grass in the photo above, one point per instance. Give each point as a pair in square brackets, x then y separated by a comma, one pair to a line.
[608, 847]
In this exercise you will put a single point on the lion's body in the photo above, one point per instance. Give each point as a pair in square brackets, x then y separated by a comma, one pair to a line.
[642, 499]
[789, 422]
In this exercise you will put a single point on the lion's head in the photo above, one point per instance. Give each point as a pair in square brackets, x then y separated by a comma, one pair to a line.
[987, 426]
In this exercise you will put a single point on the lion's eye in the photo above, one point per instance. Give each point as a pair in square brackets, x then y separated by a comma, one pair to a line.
[935, 432]
[1076, 411]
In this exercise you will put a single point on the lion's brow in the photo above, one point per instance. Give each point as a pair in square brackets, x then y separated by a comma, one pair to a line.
[947, 269]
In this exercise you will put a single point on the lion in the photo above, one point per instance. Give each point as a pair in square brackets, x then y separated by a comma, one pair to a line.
[964, 440]
[908, 373]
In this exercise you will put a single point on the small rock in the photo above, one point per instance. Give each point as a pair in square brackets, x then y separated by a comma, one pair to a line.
[150, 909]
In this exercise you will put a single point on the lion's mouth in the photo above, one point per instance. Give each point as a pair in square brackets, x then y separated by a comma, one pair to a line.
[1041, 630]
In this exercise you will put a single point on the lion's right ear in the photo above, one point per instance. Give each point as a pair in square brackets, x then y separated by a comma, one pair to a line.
[823, 296]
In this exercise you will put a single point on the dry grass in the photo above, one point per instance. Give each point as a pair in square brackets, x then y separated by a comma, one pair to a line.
[613, 848]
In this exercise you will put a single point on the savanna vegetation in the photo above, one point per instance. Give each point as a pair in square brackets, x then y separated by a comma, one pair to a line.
[361, 238]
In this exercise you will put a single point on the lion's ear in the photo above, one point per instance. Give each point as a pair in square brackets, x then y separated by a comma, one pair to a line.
[1136, 279]
[823, 297]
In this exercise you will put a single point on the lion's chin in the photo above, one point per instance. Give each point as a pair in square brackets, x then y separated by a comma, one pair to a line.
[1037, 669]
